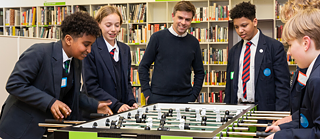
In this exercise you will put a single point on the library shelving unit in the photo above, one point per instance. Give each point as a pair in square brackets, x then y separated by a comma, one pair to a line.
[34, 24]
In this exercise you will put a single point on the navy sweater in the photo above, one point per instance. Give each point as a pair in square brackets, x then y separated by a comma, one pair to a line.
[173, 57]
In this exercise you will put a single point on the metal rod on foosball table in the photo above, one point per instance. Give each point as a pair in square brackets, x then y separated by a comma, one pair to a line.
[252, 125]
[258, 134]
[249, 118]
[209, 127]
[285, 113]
[271, 112]
[170, 125]
[168, 121]
[211, 116]
[193, 112]
[268, 115]
[198, 131]
[51, 130]
[262, 118]
[53, 125]
[239, 128]
[252, 120]
[54, 121]
[155, 129]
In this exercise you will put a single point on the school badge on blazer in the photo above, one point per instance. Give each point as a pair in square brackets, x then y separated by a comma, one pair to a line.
[303, 121]
[267, 72]
[305, 117]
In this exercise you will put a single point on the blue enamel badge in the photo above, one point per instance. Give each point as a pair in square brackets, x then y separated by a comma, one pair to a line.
[267, 72]
[303, 121]
[301, 84]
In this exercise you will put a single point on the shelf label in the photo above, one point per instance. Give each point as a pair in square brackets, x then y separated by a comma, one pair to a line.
[31, 26]
[54, 2]
[196, 22]
[133, 43]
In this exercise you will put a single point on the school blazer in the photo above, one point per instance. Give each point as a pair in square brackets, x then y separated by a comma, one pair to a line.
[34, 82]
[99, 75]
[309, 111]
[271, 92]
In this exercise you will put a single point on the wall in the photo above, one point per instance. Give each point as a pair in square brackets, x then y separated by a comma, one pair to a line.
[14, 46]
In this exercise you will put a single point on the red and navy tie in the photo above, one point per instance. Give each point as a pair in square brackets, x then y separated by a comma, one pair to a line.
[112, 52]
[246, 69]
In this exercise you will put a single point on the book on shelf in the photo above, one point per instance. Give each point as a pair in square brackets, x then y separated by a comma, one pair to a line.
[135, 77]
[279, 32]
[214, 56]
[137, 13]
[13, 31]
[213, 77]
[61, 13]
[122, 35]
[12, 17]
[278, 8]
[212, 13]
[1, 18]
[138, 95]
[211, 34]
[137, 33]
[46, 16]
[211, 97]
[136, 56]
[95, 10]
[123, 11]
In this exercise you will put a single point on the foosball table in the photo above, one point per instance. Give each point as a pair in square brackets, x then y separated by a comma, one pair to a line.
[172, 121]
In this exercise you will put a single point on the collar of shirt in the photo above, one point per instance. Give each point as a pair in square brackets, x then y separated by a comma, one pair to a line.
[110, 47]
[65, 57]
[310, 68]
[254, 40]
[176, 34]
[116, 51]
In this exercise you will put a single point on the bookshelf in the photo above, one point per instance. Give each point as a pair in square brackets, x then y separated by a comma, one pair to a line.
[44, 26]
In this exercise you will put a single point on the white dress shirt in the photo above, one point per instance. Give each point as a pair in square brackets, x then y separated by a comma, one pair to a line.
[250, 83]
[310, 68]
[176, 34]
[65, 58]
[116, 51]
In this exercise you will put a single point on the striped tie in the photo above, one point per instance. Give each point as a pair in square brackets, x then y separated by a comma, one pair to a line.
[66, 66]
[246, 69]
[112, 52]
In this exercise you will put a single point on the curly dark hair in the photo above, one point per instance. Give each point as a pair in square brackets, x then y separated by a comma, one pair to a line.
[244, 9]
[78, 24]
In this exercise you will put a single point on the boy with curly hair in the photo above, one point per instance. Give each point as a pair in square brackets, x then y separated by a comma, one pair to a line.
[257, 70]
[45, 82]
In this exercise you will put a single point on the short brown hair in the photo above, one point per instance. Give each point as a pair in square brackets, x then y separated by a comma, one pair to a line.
[105, 11]
[304, 23]
[184, 6]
